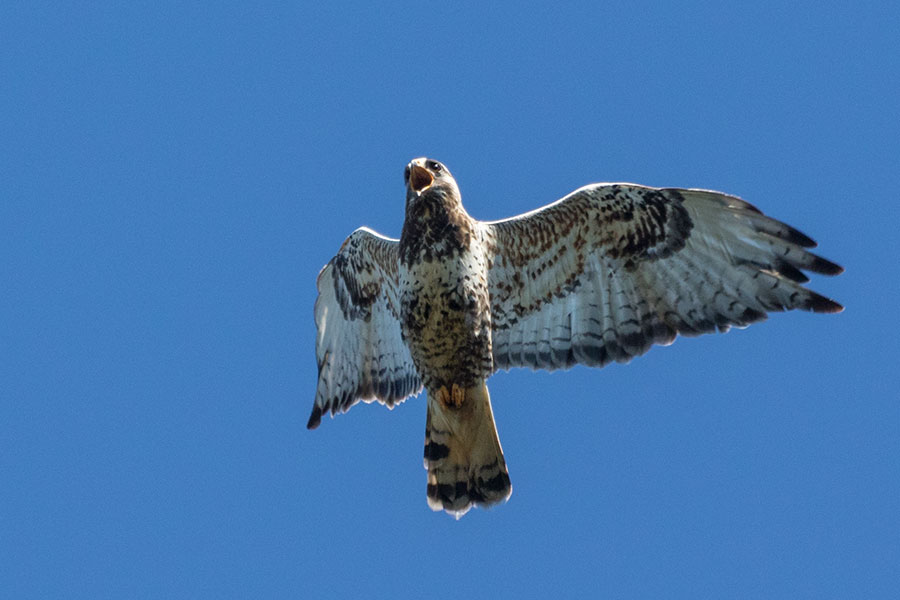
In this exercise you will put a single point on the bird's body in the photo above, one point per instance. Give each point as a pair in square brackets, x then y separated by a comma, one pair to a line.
[445, 319]
[444, 298]
[598, 276]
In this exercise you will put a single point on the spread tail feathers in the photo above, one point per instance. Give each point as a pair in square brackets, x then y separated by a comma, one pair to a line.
[462, 451]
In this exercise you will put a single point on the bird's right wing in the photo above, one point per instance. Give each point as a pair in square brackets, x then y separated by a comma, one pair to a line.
[612, 269]
[359, 348]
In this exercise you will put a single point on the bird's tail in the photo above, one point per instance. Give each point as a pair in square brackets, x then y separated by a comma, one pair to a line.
[462, 451]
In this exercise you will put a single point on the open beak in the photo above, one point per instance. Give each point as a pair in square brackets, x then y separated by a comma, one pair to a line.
[419, 178]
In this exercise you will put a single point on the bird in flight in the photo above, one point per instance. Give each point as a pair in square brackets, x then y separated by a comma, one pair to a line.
[597, 276]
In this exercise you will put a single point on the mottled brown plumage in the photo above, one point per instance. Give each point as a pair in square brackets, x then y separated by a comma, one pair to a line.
[598, 276]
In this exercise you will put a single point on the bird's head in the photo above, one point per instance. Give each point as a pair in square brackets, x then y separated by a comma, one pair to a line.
[427, 177]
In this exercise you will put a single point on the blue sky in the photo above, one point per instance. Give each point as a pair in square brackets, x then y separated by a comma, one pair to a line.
[172, 178]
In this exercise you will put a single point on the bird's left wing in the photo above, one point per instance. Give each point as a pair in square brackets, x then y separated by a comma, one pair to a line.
[359, 348]
[612, 269]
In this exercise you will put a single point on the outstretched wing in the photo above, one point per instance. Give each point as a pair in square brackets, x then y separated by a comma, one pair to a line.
[612, 269]
[359, 348]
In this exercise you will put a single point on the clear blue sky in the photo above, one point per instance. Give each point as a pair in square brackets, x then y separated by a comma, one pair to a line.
[173, 177]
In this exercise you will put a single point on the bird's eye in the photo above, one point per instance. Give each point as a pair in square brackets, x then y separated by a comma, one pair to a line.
[435, 166]
[406, 173]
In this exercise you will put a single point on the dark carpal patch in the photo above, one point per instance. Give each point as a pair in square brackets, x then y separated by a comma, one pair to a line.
[654, 226]
[356, 257]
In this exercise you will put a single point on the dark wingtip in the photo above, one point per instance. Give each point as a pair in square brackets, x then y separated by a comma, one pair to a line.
[821, 304]
[801, 239]
[751, 315]
[315, 418]
[791, 272]
[826, 267]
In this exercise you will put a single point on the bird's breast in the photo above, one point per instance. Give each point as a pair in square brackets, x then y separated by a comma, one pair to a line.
[445, 314]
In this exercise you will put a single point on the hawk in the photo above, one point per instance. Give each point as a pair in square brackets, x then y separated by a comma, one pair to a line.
[598, 276]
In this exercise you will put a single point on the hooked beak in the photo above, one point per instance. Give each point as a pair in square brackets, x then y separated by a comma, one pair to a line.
[419, 178]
